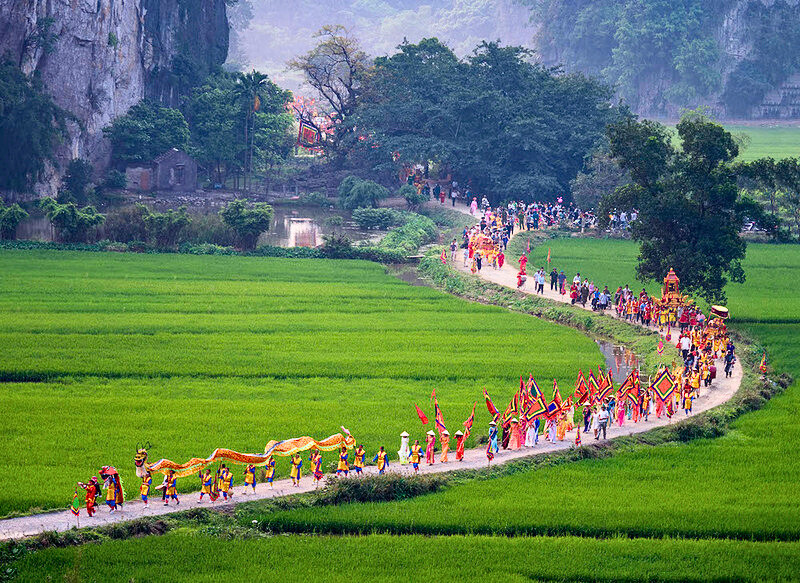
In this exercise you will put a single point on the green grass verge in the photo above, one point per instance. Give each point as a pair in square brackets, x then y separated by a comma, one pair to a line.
[103, 350]
[198, 557]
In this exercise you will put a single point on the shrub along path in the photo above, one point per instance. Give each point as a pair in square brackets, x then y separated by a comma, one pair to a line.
[720, 391]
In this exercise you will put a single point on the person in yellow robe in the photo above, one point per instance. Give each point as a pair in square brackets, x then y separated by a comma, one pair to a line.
[342, 468]
[144, 489]
[416, 455]
[358, 462]
[249, 478]
[383, 460]
[445, 439]
[270, 471]
[206, 484]
[223, 481]
[172, 488]
[296, 472]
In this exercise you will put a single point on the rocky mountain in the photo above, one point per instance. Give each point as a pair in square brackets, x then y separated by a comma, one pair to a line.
[99, 57]
[740, 58]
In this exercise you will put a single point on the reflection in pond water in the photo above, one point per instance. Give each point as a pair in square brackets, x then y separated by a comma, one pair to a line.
[292, 226]
[620, 360]
[297, 226]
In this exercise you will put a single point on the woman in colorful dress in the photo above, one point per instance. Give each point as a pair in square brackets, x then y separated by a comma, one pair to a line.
[459, 446]
[430, 441]
[445, 438]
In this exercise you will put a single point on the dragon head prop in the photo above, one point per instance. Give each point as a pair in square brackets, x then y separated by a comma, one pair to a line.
[140, 459]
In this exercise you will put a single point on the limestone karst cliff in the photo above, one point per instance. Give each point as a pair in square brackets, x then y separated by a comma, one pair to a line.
[99, 57]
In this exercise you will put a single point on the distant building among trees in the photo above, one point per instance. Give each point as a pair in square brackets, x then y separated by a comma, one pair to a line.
[174, 170]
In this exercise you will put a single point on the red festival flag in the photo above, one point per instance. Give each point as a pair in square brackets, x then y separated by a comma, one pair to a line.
[581, 390]
[763, 366]
[490, 405]
[443, 257]
[512, 410]
[489, 452]
[422, 416]
[469, 421]
[578, 436]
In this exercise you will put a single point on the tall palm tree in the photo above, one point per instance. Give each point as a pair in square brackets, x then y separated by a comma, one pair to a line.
[250, 90]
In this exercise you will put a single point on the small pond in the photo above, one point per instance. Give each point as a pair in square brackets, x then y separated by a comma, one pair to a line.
[292, 225]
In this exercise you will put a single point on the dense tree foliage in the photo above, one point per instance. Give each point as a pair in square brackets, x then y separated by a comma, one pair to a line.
[146, 131]
[77, 179]
[335, 68]
[31, 126]
[508, 126]
[72, 223]
[10, 217]
[248, 219]
[600, 177]
[239, 123]
[690, 214]
[776, 185]
[356, 193]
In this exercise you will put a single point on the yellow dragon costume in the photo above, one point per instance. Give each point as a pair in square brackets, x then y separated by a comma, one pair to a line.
[285, 448]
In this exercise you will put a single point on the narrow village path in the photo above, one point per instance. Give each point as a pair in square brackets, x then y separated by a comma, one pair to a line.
[719, 392]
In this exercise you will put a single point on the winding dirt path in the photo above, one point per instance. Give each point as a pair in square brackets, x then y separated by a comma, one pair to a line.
[720, 391]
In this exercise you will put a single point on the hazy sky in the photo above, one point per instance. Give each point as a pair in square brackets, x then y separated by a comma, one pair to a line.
[283, 29]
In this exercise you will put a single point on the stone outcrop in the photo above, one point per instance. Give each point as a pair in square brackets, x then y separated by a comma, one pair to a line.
[99, 57]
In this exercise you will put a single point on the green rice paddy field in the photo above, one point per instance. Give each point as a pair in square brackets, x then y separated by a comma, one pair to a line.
[102, 350]
[775, 141]
[669, 513]
[183, 557]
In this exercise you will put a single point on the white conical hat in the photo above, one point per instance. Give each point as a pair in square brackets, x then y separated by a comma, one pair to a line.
[431, 432]
[445, 432]
[459, 432]
[514, 420]
[404, 434]
[492, 423]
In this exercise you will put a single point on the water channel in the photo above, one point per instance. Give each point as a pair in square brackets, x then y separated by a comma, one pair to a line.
[620, 360]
